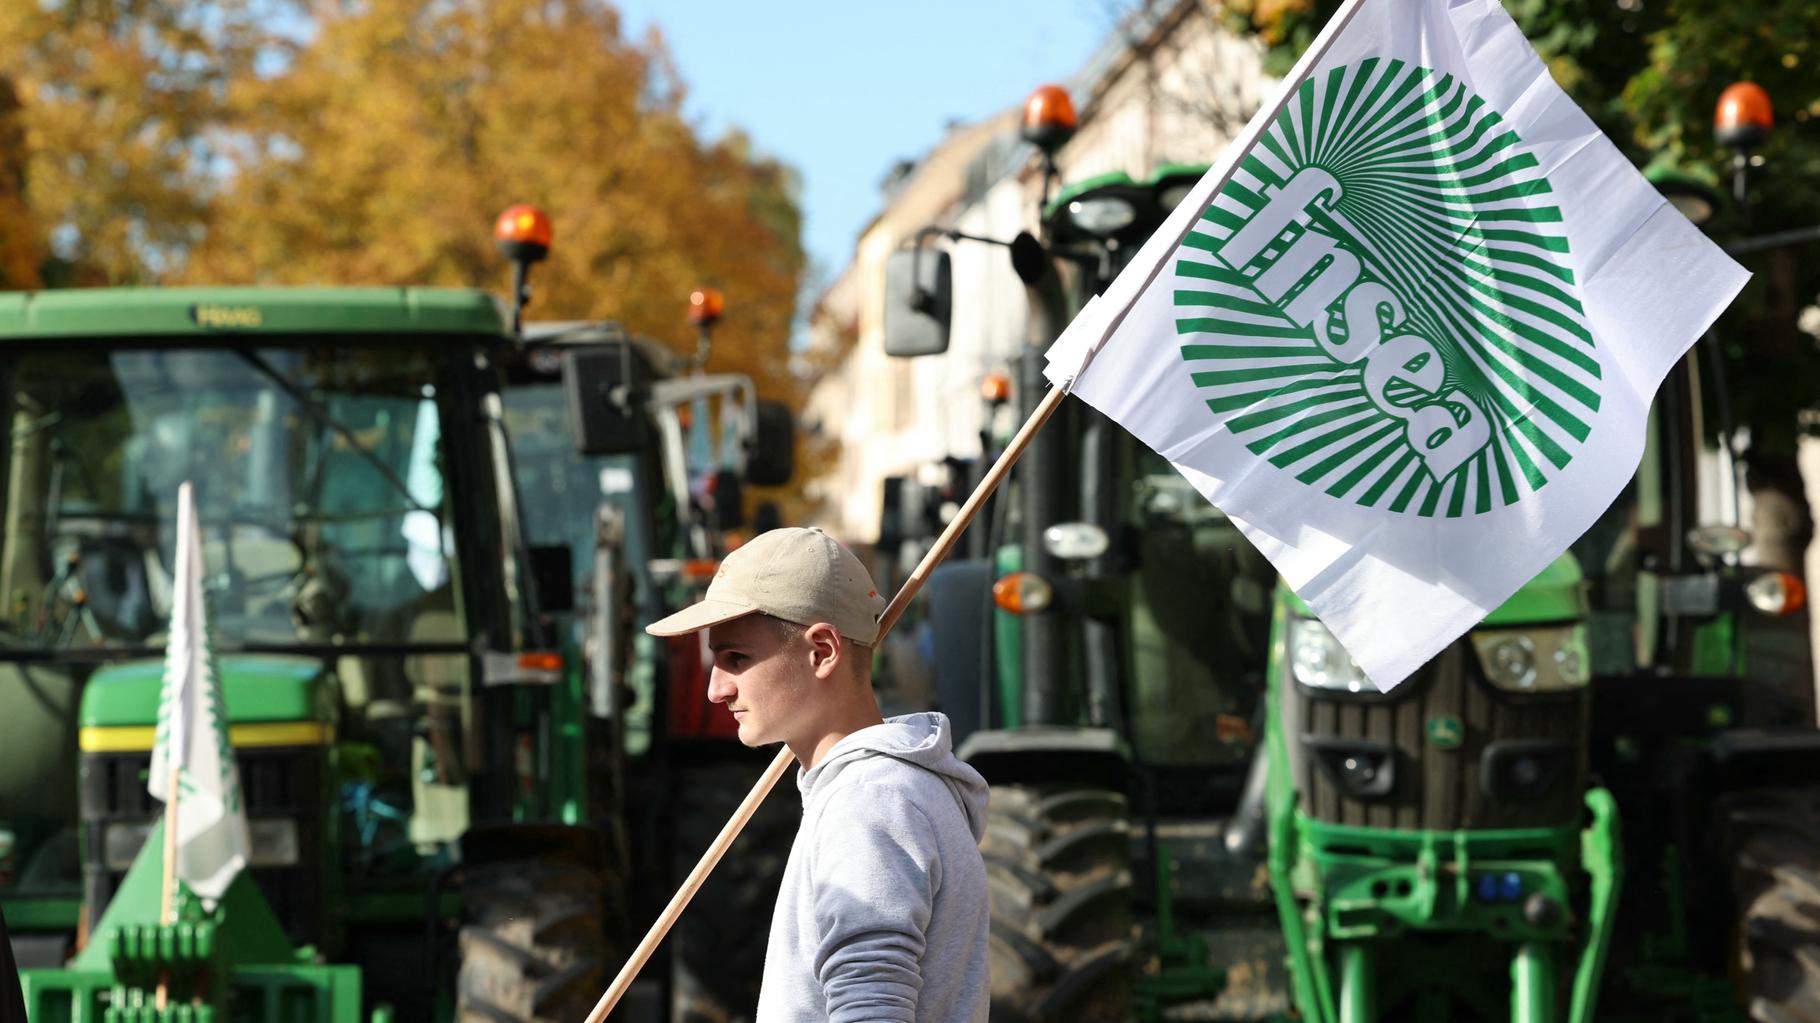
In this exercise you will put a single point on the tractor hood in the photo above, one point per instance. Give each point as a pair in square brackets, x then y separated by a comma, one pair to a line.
[272, 700]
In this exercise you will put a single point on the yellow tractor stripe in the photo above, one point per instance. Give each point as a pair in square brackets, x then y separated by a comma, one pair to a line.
[140, 738]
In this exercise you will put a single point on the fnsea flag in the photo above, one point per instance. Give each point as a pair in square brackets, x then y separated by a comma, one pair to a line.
[1407, 331]
[192, 736]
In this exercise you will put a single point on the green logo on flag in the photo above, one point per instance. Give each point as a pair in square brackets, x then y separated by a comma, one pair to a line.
[1380, 303]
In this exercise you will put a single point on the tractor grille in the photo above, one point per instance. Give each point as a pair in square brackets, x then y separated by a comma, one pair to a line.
[280, 784]
[1459, 754]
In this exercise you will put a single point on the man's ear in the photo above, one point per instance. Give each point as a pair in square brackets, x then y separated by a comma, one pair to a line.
[827, 650]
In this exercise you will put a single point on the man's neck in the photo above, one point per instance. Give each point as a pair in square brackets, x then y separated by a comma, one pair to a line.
[813, 746]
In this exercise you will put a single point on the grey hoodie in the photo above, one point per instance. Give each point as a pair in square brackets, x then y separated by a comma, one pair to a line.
[883, 911]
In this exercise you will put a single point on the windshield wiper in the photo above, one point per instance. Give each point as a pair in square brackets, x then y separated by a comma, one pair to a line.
[326, 418]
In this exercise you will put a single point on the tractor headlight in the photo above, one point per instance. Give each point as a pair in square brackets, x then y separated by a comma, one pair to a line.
[1101, 216]
[1318, 660]
[1533, 660]
[1777, 593]
[1171, 197]
[1075, 541]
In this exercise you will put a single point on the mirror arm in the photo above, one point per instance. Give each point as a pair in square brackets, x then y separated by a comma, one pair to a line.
[920, 299]
[1798, 236]
[748, 414]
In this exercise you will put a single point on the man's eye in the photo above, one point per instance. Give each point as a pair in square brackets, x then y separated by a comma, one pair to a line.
[734, 661]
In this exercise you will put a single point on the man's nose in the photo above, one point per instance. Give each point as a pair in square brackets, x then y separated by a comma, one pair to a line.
[720, 689]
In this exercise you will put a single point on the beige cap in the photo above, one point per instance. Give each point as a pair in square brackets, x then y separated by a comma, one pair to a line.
[799, 575]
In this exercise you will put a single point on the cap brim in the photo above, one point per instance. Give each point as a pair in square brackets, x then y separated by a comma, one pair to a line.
[698, 616]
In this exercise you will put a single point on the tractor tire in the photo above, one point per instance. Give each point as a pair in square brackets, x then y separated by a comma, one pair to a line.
[1773, 845]
[718, 946]
[1058, 877]
[534, 945]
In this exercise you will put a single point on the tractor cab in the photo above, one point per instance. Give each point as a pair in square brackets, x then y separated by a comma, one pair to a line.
[634, 461]
[374, 617]
[1122, 659]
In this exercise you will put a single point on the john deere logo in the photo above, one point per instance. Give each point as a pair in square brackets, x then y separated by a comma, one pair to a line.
[228, 316]
[1379, 302]
[1445, 732]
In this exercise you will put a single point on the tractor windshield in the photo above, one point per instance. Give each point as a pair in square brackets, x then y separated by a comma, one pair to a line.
[318, 479]
[563, 494]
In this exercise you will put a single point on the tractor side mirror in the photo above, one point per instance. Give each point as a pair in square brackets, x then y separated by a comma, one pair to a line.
[919, 289]
[729, 500]
[1029, 260]
[606, 391]
[771, 462]
[553, 577]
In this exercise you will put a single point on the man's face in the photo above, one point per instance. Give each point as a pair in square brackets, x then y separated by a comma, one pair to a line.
[764, 675]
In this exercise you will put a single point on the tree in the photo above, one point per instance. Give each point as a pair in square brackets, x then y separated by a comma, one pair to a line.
[18, 232]
[382, 151]
[1703, 47]
[118, 100]
[1649, 72]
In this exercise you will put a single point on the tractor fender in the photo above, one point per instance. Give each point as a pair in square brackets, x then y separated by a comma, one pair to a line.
[959, 598]
[1050, 754]
[1749, 758]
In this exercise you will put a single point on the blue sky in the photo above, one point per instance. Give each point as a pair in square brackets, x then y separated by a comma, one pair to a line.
[841, 90]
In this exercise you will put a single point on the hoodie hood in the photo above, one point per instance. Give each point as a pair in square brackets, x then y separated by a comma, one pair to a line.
[925, 740]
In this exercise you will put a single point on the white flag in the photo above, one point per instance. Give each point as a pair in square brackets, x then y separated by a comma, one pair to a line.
[193, 732]
[1406, 333]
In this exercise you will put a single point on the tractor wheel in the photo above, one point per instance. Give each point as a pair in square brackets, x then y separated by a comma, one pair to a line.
[1058, 875]
[1773, 841]
[534, 942]
[718, 947]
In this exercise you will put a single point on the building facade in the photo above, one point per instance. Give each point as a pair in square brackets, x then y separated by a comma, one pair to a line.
[1173, 85]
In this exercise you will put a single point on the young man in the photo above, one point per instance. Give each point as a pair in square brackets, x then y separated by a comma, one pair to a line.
[882, 915]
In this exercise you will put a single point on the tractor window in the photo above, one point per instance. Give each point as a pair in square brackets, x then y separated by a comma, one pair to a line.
[561, 493]
[561, 490]
[1200, 623]
[1680, 483]
[1622, 598]
[318, 480]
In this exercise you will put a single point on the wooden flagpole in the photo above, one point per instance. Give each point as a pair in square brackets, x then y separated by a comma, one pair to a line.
[711, 859]
[167, 907]
[950, 535]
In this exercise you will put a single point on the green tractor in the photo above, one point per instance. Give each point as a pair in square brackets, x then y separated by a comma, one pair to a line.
[1151, 706]
[647, 513]
[411, 740]
[1451, 850]
[1103, 655]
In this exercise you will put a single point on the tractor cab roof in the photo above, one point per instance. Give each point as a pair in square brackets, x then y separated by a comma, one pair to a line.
[101, 313]
[556, 335]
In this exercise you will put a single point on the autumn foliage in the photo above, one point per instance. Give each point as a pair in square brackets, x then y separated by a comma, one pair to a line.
[262, 142]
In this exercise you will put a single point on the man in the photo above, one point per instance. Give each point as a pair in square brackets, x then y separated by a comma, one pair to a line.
[882, 914]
